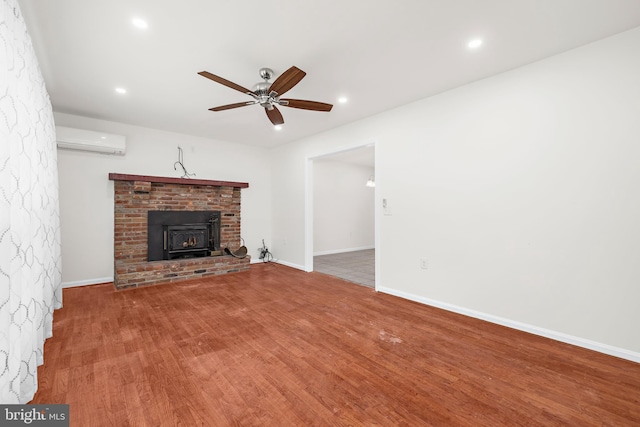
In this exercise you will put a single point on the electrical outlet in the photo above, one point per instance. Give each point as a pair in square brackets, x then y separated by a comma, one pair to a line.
[424, 264]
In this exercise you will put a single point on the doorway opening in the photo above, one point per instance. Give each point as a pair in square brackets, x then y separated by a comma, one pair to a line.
[341, 216]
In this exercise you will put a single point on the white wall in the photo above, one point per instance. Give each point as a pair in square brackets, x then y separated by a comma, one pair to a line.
[342, 207]
[86, 193]
[521, 190]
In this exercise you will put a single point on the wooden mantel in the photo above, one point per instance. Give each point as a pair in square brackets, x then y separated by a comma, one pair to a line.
[183, 181]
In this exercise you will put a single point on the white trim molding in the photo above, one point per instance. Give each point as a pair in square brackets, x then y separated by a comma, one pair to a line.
[308, 198]
[547, 333]
[341, 251]
[87, 282]
[290, 264]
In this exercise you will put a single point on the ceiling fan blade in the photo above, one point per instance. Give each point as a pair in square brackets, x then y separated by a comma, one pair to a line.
[306, 105]
[275, 116]
[225, 82]
[287, 80]
[230, 106]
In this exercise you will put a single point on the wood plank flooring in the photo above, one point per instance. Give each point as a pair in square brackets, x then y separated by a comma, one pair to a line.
[279, 347]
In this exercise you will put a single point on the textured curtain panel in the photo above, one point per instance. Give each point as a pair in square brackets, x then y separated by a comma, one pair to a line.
[30, 279]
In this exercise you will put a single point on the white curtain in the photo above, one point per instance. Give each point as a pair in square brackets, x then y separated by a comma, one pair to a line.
[30, 266]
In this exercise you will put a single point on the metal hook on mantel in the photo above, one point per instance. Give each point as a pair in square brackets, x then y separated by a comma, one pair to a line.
[181, 163]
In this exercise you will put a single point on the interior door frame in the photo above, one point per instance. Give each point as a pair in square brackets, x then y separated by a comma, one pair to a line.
[308, 217]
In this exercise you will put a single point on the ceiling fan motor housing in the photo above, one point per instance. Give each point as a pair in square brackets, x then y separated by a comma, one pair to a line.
[261, 89]
[263, 96]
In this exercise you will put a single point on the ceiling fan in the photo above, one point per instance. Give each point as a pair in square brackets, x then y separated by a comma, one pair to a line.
[268, 94]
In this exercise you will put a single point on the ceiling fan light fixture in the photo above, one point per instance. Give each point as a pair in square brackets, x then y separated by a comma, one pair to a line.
[278, 127]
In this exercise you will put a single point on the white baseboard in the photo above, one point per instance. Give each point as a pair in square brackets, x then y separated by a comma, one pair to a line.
[87, 282]
[290, 264]
[340, 251]
[558, 336]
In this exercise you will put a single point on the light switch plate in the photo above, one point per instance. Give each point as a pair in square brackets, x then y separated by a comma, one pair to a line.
[386, 207]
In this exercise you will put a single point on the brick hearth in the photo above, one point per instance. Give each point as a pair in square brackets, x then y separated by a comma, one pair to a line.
[135, 195]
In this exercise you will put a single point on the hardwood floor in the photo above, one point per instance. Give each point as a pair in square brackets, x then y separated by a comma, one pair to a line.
[280, 347]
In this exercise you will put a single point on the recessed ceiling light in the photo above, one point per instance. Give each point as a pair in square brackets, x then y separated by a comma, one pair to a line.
[474, 44]
[121, 90]
[140, 23]
[342, 100]
[277, 127]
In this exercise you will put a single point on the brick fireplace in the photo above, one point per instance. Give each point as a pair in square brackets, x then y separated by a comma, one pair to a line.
[136, 195]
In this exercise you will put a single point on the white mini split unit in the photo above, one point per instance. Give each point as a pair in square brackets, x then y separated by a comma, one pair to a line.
[88, 140]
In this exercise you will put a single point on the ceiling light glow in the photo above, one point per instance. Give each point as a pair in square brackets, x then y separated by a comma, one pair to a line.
[342, 100]
[121, 90]
[140, 23]
[277, 127]
[474, 44]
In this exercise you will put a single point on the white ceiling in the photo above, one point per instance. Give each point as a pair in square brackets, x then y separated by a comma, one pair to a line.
[379, 54]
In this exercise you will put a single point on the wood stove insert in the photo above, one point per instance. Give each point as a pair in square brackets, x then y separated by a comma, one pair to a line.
[183, 234]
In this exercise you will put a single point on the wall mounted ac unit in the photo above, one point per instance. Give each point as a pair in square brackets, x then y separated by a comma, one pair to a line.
[88, 140]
